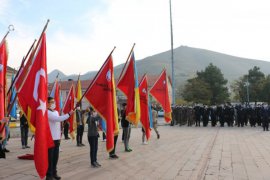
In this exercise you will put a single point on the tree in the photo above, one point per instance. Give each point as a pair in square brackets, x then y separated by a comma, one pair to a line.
[256, 81]
[213, 76]
[265, 93]
[197, 90]
[250, 85]
[209, 86]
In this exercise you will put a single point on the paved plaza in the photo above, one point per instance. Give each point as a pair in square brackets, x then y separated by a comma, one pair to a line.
[180, 153]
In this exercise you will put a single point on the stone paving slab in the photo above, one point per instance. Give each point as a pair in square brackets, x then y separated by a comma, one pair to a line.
[207, 153]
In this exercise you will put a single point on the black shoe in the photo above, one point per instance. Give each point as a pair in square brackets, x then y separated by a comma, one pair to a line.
[94, 165]
[67, 138]
[97, 164]
[82, 144]
[27, 146]
[57, 177]
[158, 136]
[23, 147]
[114, 156]
[49, 178]
[79, 145]
[6, 150]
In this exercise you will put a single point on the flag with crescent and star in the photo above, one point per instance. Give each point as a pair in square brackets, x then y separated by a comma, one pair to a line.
[34, 93]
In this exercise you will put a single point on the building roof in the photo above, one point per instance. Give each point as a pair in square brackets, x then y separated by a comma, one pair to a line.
[65, 85]
[11, 70]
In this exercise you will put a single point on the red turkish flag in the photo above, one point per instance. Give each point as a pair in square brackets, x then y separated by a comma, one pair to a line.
[3, 71]
[160, 92]
[34, 93]
[102, 96]
[20, 81]
[68, 106]
[144, 106]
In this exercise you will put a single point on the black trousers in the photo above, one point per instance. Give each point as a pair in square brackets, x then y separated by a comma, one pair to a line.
[93, 142]
[265, 125]
[24, 135]
[2, 152]
[66, 127]
[103, 135]
[115, 141]
[53, 155]
[79, 137]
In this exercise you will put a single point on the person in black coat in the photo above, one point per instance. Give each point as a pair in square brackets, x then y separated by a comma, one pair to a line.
[126, 128]
[265, 117]
[93, 136]
[24, 130]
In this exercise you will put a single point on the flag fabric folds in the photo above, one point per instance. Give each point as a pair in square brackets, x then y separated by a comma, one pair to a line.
[78, 93]
[128, 84]
[13, 112]
[33, 93]
[101, 95]
[68, 106]
[145, 118]
[19, 81]
[3, 71]
[160, 92]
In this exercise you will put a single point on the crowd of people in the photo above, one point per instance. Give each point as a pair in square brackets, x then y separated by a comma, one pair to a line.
[221, 115]
[59, 125]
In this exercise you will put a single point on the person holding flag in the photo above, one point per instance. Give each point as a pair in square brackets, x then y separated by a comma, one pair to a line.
[80, 125]
[126, 128]
[55, 127]
[129, 86]
[24, 130]
[93, 136]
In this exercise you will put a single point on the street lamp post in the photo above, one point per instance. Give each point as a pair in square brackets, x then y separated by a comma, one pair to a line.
[247, 85]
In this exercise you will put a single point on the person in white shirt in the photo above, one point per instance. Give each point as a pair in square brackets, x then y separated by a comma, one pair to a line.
[55, 127]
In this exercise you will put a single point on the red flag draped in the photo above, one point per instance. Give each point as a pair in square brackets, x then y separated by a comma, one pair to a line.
[3, 71]
[101, 95]
[144, 106]
[160, 92]
[34, 93]
[68, 106]
[21, 78]
[128, 84]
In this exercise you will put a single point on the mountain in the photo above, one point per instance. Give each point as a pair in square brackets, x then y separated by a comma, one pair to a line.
[190, 60]
[52, 75]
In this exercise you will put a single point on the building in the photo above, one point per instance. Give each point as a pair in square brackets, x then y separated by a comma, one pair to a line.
[120, 98]
[10, 72]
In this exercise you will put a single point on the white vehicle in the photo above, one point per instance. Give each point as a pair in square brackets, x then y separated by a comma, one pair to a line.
[161, 113]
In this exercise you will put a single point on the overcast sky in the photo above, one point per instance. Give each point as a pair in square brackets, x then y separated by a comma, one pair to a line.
[82, 33]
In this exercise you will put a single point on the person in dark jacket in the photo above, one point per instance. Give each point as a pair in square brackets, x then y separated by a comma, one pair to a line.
[93, 135]
[24, 130]
[112, 154]
[126, 128]
[265, 118]
[80, 126]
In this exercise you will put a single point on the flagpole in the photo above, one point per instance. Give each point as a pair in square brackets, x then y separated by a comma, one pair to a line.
[77, 104]
[44, 29]
[22, 63]
[172, 58]
[76, 88]
[10, 28]
[34, 51]
[126, 62]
